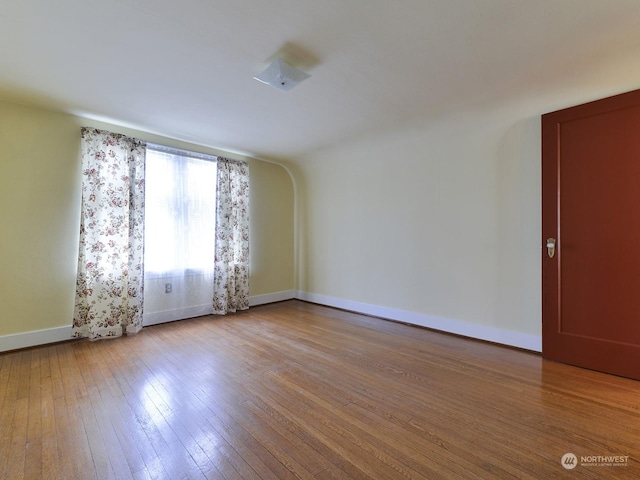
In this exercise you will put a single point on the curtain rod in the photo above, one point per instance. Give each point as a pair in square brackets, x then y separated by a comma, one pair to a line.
[182, 152]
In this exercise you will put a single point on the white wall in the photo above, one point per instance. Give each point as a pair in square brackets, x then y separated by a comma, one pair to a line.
[437, 223]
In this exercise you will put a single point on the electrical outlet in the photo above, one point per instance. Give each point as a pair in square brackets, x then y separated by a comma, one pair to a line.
[168, 287]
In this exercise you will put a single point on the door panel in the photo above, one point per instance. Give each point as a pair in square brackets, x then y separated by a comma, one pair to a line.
[591, 206]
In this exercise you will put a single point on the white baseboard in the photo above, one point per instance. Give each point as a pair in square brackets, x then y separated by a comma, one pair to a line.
[154, 318]
[33, 338]
[480, 332]
[256, 300]
[60, 334]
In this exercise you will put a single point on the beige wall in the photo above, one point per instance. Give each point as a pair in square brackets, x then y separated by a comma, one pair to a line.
[437, 222]
[40, 212]
[439, 218]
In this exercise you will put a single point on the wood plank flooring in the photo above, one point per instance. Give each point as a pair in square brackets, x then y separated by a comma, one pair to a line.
[294, 390]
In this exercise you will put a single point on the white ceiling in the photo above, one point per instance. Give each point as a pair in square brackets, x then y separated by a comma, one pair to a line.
[184, 69]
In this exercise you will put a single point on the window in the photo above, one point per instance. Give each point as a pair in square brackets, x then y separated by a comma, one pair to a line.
[180, 203]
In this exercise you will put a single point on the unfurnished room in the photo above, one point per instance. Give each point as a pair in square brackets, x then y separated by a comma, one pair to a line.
[357, 239]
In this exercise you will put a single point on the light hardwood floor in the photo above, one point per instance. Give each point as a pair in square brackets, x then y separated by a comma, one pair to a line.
[294, 390]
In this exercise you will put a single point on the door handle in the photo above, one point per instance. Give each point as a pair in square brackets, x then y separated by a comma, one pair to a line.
[551, 247]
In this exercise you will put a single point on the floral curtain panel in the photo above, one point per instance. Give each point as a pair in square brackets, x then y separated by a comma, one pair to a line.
[109, 288]
[231, 271]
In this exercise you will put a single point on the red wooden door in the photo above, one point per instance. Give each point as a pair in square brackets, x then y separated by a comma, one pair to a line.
[591, 207]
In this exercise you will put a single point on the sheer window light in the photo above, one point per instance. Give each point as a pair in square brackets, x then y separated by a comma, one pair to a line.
[179, 213]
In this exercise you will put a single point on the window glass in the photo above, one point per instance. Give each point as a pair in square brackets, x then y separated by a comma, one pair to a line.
[180, 202]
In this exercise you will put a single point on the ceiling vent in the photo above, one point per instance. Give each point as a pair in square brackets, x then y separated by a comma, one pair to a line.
[281, 75]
